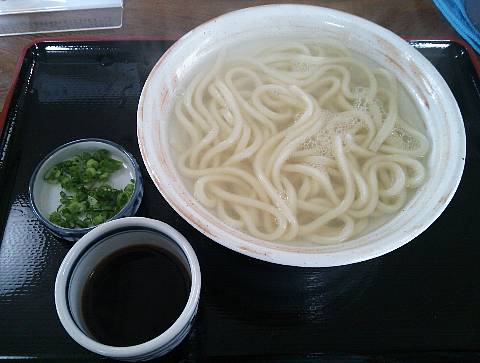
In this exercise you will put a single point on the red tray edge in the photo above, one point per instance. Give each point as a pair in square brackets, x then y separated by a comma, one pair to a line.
[8, 99]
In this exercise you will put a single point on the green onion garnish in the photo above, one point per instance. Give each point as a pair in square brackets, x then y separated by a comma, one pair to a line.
[87, 199]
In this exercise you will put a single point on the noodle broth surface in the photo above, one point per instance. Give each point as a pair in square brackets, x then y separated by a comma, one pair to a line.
[298, 141]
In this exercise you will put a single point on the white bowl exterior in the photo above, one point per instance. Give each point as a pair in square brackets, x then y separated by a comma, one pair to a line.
[429, 91]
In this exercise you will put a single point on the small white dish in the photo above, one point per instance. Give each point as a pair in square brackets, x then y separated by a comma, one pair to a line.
[90, 250]
[45, 197]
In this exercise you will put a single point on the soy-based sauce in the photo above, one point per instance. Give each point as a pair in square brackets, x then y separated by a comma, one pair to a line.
[134, 295]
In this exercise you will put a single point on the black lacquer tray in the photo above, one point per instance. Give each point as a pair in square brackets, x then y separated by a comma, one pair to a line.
[419, 303]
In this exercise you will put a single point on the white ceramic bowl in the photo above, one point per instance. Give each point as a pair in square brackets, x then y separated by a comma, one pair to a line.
[90, 250]
[421, 80]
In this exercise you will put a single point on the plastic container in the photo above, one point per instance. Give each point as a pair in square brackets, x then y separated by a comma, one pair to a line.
[45, 16]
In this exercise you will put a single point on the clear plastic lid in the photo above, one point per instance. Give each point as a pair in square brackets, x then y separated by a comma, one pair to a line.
[43, 16]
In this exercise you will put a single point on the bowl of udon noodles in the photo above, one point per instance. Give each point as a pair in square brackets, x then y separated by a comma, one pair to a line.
[301, 135]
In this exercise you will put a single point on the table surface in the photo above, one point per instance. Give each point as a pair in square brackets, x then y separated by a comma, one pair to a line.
[171, 19]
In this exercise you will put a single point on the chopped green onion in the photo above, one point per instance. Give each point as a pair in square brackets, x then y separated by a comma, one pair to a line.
[87, 199]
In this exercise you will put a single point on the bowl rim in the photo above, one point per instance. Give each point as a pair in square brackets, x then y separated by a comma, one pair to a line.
[100, 234]
[81, 231]
[262, 251]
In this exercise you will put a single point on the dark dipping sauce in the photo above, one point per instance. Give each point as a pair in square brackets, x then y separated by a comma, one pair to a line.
[134, 295]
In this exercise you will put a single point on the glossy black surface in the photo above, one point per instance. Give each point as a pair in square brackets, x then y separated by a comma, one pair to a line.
[417, 304]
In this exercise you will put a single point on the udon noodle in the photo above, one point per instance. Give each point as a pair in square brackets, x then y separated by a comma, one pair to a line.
[300, 142]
